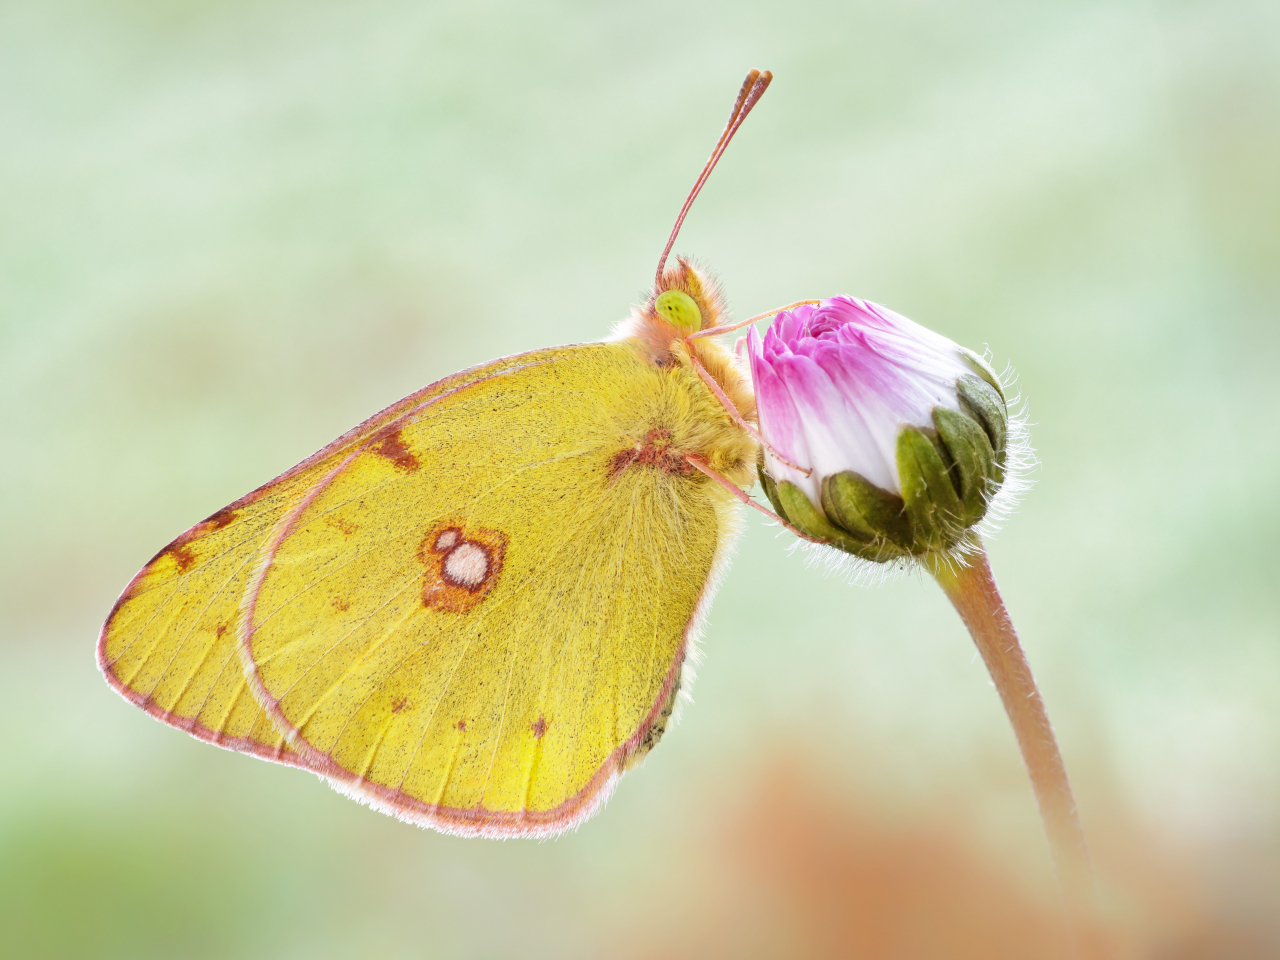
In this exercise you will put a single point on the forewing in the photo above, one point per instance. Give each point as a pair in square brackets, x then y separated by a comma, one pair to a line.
[478, 622]
[170, 643]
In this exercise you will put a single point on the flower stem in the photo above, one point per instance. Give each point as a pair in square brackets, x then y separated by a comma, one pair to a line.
[971, 588]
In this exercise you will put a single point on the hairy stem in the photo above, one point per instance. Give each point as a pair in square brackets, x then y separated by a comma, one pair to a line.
[971, 588]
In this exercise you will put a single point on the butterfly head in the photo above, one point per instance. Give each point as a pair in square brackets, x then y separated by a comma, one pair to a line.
[684, 301]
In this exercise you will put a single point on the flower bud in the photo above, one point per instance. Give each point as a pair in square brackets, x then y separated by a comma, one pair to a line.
[901, 436]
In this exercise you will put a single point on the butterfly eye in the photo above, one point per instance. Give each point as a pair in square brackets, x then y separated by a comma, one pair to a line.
[679, 309]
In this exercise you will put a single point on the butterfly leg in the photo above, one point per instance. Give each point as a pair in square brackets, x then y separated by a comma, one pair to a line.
[720, 395]
[700, 463]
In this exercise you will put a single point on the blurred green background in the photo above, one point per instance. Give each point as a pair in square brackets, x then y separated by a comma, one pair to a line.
[230, 231]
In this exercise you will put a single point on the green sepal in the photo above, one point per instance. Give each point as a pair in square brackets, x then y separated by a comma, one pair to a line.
[983, 369]
[932, 502]
[805, 517]
[770, 489]
[972, 458]
[985, 405]
[870, 513]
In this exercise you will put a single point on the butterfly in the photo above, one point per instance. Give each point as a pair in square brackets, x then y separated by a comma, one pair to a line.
[474, 611]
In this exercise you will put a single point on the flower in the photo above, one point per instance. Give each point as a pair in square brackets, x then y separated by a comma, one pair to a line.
[883, 438]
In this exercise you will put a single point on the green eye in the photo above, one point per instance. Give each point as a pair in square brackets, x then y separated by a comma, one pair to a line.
[679, 310]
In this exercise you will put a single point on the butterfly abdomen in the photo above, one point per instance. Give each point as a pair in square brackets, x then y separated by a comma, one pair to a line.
[660, 724]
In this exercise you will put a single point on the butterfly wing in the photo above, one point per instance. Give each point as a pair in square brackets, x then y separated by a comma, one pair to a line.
[479, 620]
[170, 642]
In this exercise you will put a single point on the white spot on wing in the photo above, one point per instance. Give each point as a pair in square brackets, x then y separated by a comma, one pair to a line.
[446, 540]
[467, 565]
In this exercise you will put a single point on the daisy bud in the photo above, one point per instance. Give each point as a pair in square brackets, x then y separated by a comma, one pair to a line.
[897, 439]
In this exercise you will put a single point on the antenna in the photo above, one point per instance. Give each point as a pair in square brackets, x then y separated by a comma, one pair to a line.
[753, 89]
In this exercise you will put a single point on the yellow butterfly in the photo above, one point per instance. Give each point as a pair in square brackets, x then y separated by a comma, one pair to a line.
[473, 610]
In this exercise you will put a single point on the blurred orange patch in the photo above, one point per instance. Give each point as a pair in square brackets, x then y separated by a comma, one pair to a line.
[802, 870]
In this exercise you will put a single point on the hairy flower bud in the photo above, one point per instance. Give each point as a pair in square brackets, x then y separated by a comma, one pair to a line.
[901, 436]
